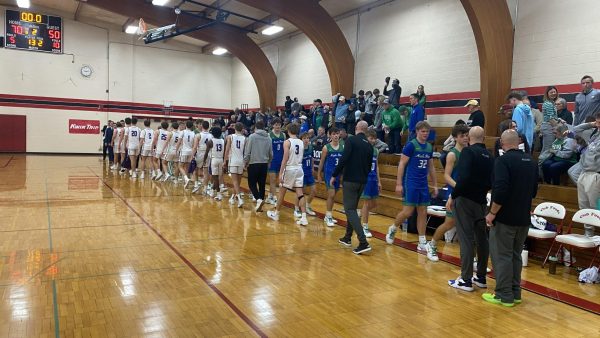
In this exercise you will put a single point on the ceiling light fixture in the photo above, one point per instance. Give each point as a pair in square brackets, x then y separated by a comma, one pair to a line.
[271, 30]
[23, 3]
[131, 29]
[219, 51]
[159, 2]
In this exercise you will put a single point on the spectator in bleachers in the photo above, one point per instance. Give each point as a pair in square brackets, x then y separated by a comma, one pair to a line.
[505, 113]
[370, 106]
[351, 118]
[393, 126]
[327, 118]
[587, 103]
[288, 105]
[378, 118]
[588, 184]
[417, 115]
[476, 117]
[319, 140]
[340, 109]
[562, 112]
[421, 95]
[538, 118]
[296, 106]
[394, 93]
[305, 125]
[522, 116]
[563, 156]
[549, 114]
[361, 101]
[505, 125]
[317, 114]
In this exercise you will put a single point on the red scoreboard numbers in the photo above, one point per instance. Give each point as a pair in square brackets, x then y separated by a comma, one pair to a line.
[33, 31]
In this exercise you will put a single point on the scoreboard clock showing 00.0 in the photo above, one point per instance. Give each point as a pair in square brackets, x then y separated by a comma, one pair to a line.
[33, 31]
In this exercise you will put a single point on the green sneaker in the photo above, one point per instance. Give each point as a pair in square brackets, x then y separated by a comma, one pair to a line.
[518, 301]
[491, 298]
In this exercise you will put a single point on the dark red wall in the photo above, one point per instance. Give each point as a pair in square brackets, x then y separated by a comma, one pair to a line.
[13, 133]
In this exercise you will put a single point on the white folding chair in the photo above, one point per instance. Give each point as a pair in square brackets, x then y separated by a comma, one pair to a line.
[550, 210]
[583, 216]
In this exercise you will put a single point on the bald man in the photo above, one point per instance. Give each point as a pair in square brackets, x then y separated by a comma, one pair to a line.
[355, 164]
[514, 186]
[469, 203]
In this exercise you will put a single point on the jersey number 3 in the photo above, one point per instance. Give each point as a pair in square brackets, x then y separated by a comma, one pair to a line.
[297, 149]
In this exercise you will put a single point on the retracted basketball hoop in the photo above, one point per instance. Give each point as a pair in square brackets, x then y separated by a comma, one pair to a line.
[167, 107]
[142, 28]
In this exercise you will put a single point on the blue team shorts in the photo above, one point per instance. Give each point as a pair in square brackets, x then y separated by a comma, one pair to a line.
[371, 191]
[336, 183]
[309, 180]
[274, 167]
[417, 197]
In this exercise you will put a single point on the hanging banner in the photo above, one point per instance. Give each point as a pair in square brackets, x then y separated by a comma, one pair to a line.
[84, 126]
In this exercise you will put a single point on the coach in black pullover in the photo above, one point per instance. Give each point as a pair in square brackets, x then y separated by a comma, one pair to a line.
[356, 163]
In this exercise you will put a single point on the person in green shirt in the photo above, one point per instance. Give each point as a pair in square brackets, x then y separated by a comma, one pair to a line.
[393, 124]
[563, 155]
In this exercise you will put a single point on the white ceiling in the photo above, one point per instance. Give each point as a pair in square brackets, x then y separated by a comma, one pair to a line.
[87, 13]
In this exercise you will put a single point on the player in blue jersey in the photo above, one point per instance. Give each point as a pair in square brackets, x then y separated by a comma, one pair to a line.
[330, 157]
[277, 139]
[417, 163]
[309, 180]
[373, 186]
[461, 135]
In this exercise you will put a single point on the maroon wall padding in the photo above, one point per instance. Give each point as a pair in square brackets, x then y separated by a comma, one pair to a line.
[13, 133]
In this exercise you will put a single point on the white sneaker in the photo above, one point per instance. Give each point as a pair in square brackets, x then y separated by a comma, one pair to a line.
[368, 233]
[240, 202]
[158, 176]
[391, 234]
[271, 200]
[297, 214]
[187, 181]
[432, 252]
[167, 176]
[329, 221]
[488, 270]
[134, 175]
[219, 197]
[302, 221]
[153, 176]
[259, 205]
[232, 199]
[142, 175]
[310, 211]
[196, 188]
[210, 193]
[223, 188]
[422, 247]
[274, 215]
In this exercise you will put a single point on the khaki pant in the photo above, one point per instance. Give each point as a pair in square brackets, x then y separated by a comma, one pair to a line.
[588, 192]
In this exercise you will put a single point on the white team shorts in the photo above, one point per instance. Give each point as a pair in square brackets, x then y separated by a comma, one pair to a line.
[216, 166]
[146, 152]
[122, 149]
[185, 158]
[170, 156]
[236, 169]
[133, 151]
[293, 178]
[200, 163]
[158, 153]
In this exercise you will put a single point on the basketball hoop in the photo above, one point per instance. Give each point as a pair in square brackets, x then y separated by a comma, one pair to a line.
[142, 28]
[167, 107]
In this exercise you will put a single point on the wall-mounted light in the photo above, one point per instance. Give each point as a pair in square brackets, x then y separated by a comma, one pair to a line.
[272, 30]
[219, 51]
[159, 2]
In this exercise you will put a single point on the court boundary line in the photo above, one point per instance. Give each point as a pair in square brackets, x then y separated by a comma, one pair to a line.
[54, 293]
[197, 272]
[7, 162]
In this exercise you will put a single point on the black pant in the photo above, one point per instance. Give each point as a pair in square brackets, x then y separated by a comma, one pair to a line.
[257, 175]
[352, 192]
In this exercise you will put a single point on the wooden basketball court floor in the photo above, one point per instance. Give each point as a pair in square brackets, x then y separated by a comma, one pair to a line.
[87, 253]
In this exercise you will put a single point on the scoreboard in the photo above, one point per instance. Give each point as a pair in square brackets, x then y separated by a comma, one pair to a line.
[33, 31]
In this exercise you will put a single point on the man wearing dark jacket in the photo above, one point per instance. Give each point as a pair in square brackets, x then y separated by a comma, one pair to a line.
[476, 117]
[394, 93]
[106, 141]
[468, 203]
[515, 185]
[356, 164]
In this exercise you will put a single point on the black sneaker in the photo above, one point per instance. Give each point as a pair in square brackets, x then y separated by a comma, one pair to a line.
[362, 247]
[345, 242]
[480, 282]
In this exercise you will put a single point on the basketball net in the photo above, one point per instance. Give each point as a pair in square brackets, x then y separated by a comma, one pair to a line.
[142, 28]
[167, 107]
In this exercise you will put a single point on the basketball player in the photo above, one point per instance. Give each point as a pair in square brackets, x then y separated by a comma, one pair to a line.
[200, 142]
[330, 157]
[184, 146]
[147, 146]
[216, 147]
[234, 158]
[160, 144]
[117, 144]
[373, 186]
[309, 180]
[132, 140]
[170, 152]
[417, 161]
[291, 175]
[277, 139]
[461, 135]
[124, 146]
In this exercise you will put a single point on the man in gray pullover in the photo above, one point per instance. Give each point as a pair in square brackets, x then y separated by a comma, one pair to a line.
[257, 155]
[588, 184]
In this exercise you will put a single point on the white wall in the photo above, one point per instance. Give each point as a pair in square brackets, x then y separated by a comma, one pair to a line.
[129, 70]
[556, 42]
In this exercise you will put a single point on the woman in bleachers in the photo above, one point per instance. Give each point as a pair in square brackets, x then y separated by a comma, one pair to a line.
[562, 111]
[549, 114]
[505, 125]
[563, 155]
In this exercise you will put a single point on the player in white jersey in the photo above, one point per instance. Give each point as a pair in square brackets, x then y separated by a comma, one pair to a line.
[170, 152]
[185, 146]
[159, 145]
[117, 143]
[200, 141]
[234, 157]
[132, 139]
[147, 147]
[216, 147]
[291, 175]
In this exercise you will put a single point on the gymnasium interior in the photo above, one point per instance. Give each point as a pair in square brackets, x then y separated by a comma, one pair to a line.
[87, 250]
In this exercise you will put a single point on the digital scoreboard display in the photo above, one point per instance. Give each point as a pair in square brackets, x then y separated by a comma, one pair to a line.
[33, 31]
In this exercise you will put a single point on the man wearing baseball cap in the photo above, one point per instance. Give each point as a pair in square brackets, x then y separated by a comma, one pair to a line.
[476, 118]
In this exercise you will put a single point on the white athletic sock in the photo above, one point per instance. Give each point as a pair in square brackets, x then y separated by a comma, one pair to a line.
[365, 225]
[422, 239]
[303, 216]
[328, 214]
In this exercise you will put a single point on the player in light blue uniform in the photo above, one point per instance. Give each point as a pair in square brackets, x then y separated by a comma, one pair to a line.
[277, 139]
[330, 157]
[373, 186]
[416, 161]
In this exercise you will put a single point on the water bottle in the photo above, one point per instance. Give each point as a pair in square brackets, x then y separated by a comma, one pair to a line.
[405, 226]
